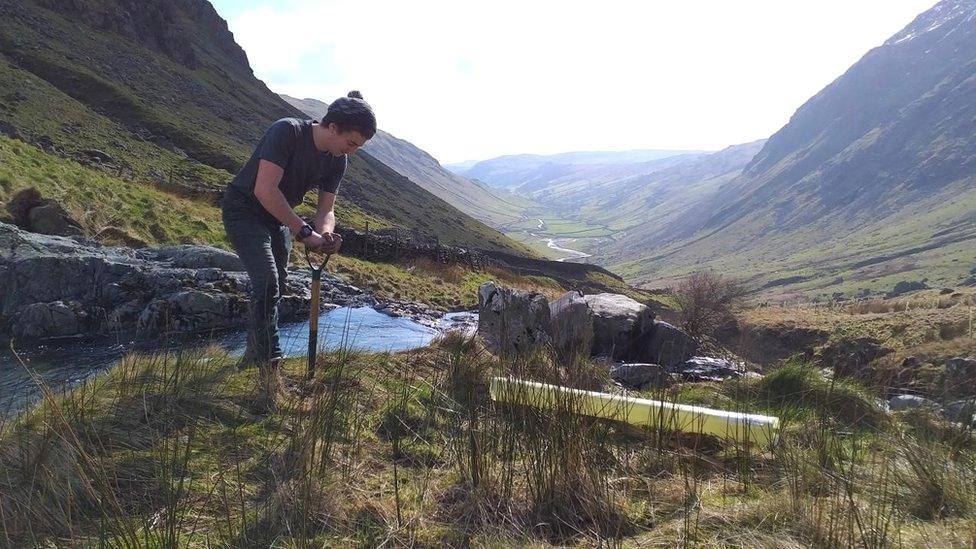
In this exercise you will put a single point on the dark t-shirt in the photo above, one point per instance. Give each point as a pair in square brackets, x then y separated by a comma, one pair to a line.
[288, 143]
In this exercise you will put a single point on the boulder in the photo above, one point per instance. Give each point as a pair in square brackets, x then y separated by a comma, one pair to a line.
[703, 368]
[571, 325]
[20, 205]
[961, 411]
[911, 363]
[191, 256]
[51, 218]
[906, 286]
[39, 320]
[98, 156]
[900, 403]
[618, 323]
[512, 322]
[30, 211]
[639, 375]
[665, 344]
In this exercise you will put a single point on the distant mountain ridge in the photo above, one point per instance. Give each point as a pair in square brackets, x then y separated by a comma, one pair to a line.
[514, 171]
[647, 207]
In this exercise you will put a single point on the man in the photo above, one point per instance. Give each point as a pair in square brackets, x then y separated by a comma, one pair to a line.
[293, 157]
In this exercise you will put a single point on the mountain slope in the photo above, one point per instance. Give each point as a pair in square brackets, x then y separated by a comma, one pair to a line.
[871, 182]
[490, 206]
[647, 206]
[159, 93]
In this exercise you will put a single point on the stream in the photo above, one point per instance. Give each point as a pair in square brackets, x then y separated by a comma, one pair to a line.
[552, 244]
[66, 363]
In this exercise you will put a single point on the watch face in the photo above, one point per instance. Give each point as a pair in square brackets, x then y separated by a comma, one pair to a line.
[304, 232]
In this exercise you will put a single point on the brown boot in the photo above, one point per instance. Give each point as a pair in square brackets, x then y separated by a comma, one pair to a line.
[269, 389]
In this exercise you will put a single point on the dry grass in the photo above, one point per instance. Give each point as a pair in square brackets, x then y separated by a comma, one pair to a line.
[898, 324]
[407, 449]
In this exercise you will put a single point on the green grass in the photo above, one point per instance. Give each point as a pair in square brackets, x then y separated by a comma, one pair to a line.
[36, 108]
[99, 200]
[172, 450]
[830, 257]
[444, 287]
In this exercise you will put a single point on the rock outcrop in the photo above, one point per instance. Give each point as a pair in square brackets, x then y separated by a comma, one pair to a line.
[703, 368]
[849, 356]
[642, 351]
[961, 411]
[639, 375]
[662, 343]
[571, 325]
[961, 375]
[512, 322]
[901, 403]
[618, 322]
[58, 286]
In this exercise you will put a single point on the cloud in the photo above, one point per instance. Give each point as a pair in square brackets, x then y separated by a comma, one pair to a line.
[474, 80]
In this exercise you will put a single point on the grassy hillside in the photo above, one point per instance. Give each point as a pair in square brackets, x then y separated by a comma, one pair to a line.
[100, 201]
[933, 240]
[164, 97]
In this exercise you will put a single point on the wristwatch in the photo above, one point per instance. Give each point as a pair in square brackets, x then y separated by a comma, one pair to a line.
[304, 232]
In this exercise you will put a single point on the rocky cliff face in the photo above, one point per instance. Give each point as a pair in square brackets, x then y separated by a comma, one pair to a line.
[177, 28]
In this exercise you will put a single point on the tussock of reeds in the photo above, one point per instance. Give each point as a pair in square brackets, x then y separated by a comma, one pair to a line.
[408, 449]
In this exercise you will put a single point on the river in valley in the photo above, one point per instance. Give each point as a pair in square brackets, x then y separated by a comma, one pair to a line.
[554, 244]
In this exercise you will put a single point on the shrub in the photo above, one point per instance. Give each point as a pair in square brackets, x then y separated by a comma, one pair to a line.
[704, 300]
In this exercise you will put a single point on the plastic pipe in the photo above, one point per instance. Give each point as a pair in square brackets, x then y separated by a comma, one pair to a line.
[746, 429]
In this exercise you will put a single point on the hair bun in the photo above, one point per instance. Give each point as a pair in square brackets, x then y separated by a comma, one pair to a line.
[355, 94]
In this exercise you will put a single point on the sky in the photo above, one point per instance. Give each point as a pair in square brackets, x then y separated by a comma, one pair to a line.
[470, 80]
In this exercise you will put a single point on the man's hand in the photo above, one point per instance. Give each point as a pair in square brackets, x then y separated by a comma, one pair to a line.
[331, 243]
[314, 241]
[327, 243]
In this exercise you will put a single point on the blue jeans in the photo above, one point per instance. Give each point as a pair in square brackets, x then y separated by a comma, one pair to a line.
[263, 246]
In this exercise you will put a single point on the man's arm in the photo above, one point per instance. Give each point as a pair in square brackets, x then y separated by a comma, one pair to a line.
[269, 195]
[325, 215]
[325, 223]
